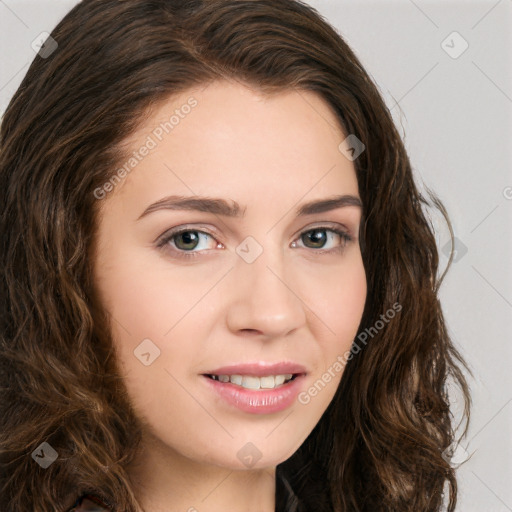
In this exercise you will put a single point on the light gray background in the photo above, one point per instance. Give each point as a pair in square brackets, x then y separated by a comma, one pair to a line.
[455, 115]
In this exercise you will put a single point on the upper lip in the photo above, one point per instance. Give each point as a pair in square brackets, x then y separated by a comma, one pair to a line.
[259, 369]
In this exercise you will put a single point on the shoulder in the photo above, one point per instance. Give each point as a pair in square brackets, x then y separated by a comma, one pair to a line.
[90, 503]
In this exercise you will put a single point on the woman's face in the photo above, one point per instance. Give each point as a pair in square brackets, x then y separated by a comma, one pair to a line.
[252, 281]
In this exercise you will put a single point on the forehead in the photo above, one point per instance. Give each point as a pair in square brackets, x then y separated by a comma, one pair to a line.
[219, 138]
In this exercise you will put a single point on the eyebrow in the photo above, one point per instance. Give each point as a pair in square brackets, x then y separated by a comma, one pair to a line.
[223, 207]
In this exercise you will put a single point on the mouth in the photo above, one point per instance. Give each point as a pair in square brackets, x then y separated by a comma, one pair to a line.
[255, 382]
[258, 388]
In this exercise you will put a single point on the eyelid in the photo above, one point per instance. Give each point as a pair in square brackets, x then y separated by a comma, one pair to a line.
[326, 225]
[210, 230]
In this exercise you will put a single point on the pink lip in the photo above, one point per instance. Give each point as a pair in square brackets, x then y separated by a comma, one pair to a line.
[259, 369]
[256, 401]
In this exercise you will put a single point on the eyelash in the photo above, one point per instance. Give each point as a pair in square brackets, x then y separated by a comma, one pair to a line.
[164, 242]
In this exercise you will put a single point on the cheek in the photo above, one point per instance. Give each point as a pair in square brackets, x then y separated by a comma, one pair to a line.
[146, 306]
[339, 306]
[338, 299]
[348, 300]
[146, 299]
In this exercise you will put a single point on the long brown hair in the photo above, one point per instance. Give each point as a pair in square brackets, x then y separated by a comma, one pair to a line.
[380, 445]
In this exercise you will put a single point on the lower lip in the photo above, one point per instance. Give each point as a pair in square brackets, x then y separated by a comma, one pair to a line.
[257, 401]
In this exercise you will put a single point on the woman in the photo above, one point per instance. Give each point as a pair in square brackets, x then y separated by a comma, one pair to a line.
[260, 372]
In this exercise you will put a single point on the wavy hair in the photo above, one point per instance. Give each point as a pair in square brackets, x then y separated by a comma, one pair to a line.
[380, 444]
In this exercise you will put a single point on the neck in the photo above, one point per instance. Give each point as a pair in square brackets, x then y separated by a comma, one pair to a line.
[175, 483]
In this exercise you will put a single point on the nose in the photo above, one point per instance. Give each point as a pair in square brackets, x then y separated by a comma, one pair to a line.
[264, 301]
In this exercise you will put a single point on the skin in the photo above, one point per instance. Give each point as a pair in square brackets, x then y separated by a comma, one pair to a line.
[270, 154]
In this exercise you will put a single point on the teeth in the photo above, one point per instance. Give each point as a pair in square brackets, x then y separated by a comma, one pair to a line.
[279, 379]
[236, 379]
[268, 382]
[251, 382]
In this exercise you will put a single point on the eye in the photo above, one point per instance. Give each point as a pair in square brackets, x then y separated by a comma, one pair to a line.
[183, 241]
[186, 242]
[317, 237]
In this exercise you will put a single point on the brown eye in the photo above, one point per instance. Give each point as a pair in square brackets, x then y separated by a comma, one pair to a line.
[186, 240]
[186, 243]
[317, 238]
